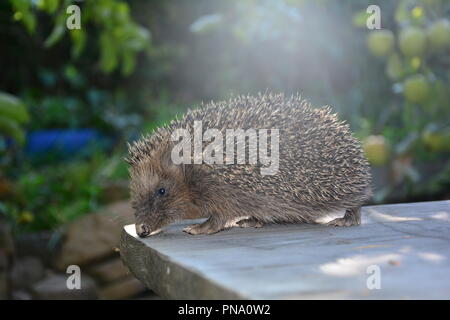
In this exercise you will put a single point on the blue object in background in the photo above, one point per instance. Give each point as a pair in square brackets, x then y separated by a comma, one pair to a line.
[62, 141]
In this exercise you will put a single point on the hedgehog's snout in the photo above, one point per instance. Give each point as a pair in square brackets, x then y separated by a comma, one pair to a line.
[142, 230]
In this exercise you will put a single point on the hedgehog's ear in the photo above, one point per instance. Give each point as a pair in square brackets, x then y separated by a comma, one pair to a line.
[170, 167]
[181, 171]
[176, 171]
[187, 170]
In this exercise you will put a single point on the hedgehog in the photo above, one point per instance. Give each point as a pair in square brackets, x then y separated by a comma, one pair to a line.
[321, 168]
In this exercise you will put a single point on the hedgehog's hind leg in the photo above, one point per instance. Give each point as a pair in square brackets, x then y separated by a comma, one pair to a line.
[250, 223]
[352, 217]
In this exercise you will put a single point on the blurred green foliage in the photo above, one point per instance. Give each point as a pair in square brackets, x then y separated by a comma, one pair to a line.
[391, 85]
[119, 37]
[12, 115]
[55, 194]
[414, 48]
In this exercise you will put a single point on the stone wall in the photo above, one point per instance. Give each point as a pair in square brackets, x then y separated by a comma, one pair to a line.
[38, 267]
[6, 253]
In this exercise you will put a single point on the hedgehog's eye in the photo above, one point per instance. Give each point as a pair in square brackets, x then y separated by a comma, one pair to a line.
[161, 191]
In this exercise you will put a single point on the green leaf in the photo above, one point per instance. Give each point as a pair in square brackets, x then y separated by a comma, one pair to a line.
[58, 31]
[23, 13]
[56, 35]
[108, 53]
[52, 5]
[29, 20]
[11, 107]
[135, 38]
[49, 6]
[78, 37]
[21, 5]
[360, 18]
[128, 62]
[122, 12]
[11, 128]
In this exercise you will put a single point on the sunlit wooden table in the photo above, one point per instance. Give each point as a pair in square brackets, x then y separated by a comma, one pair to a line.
[400, 251]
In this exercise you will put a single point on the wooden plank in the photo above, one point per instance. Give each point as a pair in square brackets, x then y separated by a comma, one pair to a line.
[410, 243]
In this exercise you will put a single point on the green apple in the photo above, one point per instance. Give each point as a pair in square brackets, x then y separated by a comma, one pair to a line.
[436, 141]
[416, 88]
[412, 41]
[377, 150]
[380, 42]
[439, 34]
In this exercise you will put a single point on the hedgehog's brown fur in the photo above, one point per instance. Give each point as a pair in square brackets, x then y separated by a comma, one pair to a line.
[321, 169]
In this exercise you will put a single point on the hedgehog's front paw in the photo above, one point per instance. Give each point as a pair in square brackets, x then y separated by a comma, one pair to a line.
[206, 227]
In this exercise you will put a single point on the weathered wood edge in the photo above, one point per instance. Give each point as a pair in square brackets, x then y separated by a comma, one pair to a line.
[174, 281]
[167, 278]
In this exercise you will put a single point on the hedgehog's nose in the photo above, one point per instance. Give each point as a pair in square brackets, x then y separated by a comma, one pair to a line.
[142, 230]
